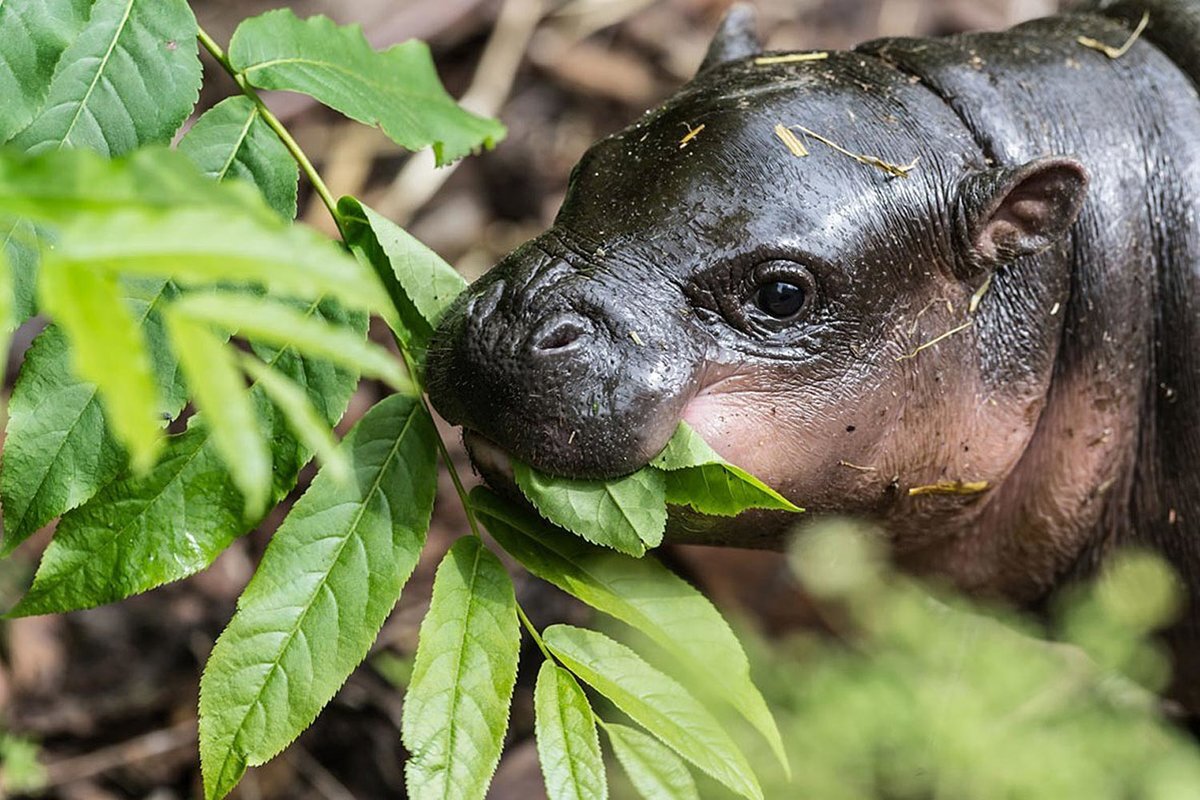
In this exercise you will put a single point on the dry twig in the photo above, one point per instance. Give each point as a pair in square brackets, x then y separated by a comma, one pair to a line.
[896, 170]
[935, 340]
[790, 58]
[791, 141]
[949, 487]
[691, 134]
[1116, 52]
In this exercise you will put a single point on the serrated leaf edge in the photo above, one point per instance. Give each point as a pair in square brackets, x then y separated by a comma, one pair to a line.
[414, 410]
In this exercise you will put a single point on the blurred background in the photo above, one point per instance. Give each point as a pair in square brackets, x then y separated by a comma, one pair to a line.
[105, 700]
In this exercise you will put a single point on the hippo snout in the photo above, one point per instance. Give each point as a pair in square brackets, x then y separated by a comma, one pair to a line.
[572, 373]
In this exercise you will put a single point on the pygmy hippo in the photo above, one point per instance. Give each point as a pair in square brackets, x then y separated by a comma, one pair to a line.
[951, 285]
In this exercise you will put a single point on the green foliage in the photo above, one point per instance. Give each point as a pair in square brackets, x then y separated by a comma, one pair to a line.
[310, 429]
[456, 707]
[568, 747]
[1138, 595]
[231, 140]
[628, 514]
[58, 451]
[643, 594]
[698, 477]
[27, 60]
[397, 89]
[19, 247]
[140, 531]
[7, 301]
[655, 771]
[286, 325]
[20, 771]
[332, 573]
[420, 284]
[103, 233]
[149, 260]
[107, 350]
[129, 77]
[218, 390]
[654, 701]
[924, 695]
[61, 186]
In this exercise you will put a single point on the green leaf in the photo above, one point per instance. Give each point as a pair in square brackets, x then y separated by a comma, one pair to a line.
[655, 771]
[7, 305]
[567, 745]
[410, 327]
[179, 244]
[627, 514]
[305, 421]
[107, 349]
[264, 320]
[643, 594]
[19, 243]
[328, 580]
[696, 476]
[655, 702]
[155, 214]
[57, 187]
[220, 393]
[57, 450]
[139, 532]
[420, 283]
[396, 89]
[129, 78]
[33, 35]
[231, 140]
[456, 708]
[686, 449]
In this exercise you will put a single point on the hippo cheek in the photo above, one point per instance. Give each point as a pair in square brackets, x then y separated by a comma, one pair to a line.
[822, 455]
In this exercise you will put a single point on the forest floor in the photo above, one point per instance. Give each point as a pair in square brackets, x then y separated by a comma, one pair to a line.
[109, 695]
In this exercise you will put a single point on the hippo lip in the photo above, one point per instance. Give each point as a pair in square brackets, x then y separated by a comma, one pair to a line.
[492, 462]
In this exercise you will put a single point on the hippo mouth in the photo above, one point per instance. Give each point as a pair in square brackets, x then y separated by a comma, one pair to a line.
[492, 462]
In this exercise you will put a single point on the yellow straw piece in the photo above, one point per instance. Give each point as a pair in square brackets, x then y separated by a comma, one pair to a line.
[935, 340]
[790, 139]
[691, 134]
[1117, 52]
[898, 170]
[949, 487]
[790, 58]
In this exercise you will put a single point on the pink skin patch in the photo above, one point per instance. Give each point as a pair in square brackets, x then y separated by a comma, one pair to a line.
[725, 422]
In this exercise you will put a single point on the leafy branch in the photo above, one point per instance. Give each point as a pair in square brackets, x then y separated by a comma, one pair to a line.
[158, 260]
[277, 127]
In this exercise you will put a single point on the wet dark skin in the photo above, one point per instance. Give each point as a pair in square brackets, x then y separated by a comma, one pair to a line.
[812, 317]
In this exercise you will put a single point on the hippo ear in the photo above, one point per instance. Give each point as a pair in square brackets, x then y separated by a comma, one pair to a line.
[1013, 212]
[736, 38]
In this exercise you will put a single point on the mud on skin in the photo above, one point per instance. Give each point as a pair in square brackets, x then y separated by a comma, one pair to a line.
[784, 306]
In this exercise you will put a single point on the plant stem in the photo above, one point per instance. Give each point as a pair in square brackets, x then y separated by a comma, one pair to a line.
[537, 637]
[273, 123]
[410, 363]
[323, 192]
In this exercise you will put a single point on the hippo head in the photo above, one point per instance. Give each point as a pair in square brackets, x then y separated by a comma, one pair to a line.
[804, 303]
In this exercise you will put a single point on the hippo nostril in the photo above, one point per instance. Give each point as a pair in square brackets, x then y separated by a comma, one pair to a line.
[558, 334]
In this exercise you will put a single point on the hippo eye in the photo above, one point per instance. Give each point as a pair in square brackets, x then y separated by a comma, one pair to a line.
[780, 299]
[780, 293]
